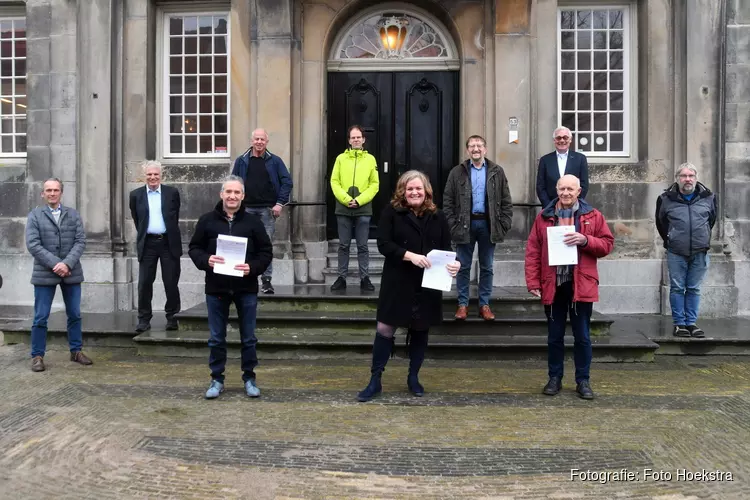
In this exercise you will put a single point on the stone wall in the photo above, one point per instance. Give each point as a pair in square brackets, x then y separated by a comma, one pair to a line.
[92, 114]
[737, 146]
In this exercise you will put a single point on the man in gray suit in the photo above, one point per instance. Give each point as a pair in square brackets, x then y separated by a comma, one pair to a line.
[55, 238]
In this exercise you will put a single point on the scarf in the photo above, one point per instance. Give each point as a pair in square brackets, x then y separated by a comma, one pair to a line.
[564, 217]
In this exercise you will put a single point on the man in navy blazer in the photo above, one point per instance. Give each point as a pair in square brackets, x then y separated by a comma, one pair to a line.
[155, 209]
[561, 162]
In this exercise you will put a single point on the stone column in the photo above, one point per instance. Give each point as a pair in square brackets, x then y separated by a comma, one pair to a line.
[137, 129]
[271, 45]
[703, 50]
[93, 131]
[513, 99]
[544, 81]
[310, 178]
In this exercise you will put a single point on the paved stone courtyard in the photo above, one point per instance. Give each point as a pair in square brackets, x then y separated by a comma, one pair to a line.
[133, 427]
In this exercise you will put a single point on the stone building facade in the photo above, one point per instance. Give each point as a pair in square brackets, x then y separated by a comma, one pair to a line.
[91, 88]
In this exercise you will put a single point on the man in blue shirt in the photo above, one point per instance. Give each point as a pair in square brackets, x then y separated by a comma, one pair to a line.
[479, 210]
[155, 209]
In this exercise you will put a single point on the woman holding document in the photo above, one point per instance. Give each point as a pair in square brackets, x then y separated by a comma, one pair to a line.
[408, 229]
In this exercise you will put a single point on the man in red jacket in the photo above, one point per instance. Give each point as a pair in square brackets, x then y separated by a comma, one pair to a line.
[568, 289]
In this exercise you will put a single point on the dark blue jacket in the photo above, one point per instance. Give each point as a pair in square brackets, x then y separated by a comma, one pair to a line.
[277, 171]
[548, 175]
[685, 226]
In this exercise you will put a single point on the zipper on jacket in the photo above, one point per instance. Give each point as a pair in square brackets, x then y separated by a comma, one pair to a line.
[690, 223]
[354, 173]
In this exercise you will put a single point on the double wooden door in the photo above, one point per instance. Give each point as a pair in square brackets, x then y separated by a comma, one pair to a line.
[410, 121]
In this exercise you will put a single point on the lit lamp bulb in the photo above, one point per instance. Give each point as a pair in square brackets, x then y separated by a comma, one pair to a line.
[393, 30]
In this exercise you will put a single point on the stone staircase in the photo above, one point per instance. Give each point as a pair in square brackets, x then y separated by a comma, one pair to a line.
[310, 321]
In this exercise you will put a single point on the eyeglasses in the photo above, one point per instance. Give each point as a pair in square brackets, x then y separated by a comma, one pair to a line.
[687, 176]
[562, 137]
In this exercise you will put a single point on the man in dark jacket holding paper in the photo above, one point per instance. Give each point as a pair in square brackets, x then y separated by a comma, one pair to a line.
[229, 218]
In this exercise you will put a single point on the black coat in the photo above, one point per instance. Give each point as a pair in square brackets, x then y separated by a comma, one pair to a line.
[399, 232]
[170, 210]
[203, 245]
[548, 175]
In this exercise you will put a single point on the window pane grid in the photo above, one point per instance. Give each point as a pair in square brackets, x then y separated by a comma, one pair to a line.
[13, 87]
[593, 78]
[196, 107]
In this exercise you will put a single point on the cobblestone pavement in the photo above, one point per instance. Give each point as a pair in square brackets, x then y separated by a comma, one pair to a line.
[132, 427]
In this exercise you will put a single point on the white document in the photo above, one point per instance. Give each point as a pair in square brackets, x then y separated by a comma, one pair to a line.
[559, 253]
[513, 137]
[437, 276]
[233, 249]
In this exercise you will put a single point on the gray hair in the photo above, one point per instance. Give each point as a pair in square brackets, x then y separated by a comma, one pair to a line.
[232, 178]
[554, 134]
[146, 164]
[56, 179]
[686, 165]
[568, 176]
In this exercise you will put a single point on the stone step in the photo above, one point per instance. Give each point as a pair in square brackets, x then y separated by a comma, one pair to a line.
[274, 346]
[294, 323]
[631, 338]
[320, 298]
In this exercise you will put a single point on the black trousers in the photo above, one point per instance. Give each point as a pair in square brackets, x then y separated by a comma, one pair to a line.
[154, 251]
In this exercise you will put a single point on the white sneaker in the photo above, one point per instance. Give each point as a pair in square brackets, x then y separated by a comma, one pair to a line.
[251, 389]
[214, 389]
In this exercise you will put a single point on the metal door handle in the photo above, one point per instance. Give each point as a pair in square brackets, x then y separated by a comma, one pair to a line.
[385, 167]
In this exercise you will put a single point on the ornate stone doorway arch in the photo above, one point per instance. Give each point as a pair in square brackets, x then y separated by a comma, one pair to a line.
[393, 70]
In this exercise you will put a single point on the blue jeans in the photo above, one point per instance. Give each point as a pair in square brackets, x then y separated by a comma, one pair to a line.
[218, 318]
[685, 277]
[269, 222]
[360, 226]
[479, 234]
[580, 321]
[43, 296]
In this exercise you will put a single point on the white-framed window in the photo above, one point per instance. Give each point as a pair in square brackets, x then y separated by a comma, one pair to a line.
[13, 87]
[596, 80]
[195, 90]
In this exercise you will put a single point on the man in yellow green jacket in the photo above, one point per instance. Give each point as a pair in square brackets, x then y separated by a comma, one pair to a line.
[355, 183]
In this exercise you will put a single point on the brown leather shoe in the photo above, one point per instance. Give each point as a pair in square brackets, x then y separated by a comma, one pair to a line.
[81, 358]
[486, 314]
[37, 364]
[462, 312]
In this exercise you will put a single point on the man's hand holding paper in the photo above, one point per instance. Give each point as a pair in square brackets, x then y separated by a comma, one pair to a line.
[231, 250]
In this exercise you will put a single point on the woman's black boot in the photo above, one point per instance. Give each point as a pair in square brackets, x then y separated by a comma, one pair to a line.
[417, 348]
[381, 351]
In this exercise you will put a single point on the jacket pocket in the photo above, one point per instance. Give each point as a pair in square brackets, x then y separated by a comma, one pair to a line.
[590, 277]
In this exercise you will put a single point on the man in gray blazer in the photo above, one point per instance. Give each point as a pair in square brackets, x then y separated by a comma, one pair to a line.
[55, 238]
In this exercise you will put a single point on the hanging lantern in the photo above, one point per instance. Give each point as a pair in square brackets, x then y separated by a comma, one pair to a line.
[393, 30]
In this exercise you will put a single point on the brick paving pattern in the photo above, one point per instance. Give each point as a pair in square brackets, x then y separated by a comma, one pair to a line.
[131, 427]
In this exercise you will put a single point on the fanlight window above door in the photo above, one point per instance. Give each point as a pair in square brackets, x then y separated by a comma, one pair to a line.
[394, 38]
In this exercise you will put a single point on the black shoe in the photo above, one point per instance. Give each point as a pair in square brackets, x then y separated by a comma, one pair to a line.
[173, 324]
[695, 331]
[584, 390]
[267, 287]
[339, 284]
[680, 331]
[143, 327]
[553, 386]
[366, 285]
